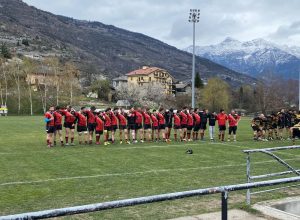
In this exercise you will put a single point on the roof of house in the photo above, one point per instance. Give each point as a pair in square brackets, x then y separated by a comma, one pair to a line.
[120, 78]
[181, 85]
[144, 71]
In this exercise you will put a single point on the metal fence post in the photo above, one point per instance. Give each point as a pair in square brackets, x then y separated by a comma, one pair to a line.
[224, 205]
[248, 195]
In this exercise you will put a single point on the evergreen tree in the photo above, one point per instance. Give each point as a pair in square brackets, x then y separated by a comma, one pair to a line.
[198, 81]
[5, 51]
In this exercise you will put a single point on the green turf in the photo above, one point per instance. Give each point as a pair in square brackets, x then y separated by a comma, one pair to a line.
[33, 177]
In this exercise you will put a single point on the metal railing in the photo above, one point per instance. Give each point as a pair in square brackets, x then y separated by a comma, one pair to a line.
[224, 190]
[268, 151]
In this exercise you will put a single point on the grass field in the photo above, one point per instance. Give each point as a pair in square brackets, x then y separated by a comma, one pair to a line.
[33, 177]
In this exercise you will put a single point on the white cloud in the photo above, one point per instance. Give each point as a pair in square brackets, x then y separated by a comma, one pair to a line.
[167, 20]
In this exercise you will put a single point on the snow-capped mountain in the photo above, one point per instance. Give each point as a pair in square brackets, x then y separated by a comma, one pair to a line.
[256, 58]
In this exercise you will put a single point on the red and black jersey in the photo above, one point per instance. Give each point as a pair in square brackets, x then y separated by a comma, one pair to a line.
[57, 118]
[177, 120]
[154, 120]
[69, 118]
[49, 115]
[107, 121]
[122, 119]
[147, 118]
[113, 118]
[91, 117]
[222, 118]
[197, 118]
[99, 124]
[139, 118]
[81, 119]
[183, 118]
[190, 120]
[161, 119]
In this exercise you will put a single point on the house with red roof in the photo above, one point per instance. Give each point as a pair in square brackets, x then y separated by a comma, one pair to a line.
[151, 76]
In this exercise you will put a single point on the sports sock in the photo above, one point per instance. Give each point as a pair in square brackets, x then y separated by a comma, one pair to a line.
[189, 135]
[67, 139]
[72, 140]
[197, 135]
[175, 137]
[48, 142]
[97, 138]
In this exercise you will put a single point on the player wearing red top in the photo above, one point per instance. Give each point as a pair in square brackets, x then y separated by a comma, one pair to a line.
[183, 119]
[139, 124]
[91, 122]
[82, 125]
[122, 125]
[147, 125]
[114, 124]
[190, 124]
[197, 121]
[154, 120]
[50, 126]
[69, 124]
[161, 123]
[233, 120]
[222, 118]
[177, 125]
[58, 125]
[107, 125]
[99, 127]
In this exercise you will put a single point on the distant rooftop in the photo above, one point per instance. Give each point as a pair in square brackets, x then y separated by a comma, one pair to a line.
[145, 70]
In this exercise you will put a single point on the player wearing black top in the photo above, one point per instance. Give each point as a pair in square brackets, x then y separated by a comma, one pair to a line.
[168, 118]
[203, 122]
[212, 122]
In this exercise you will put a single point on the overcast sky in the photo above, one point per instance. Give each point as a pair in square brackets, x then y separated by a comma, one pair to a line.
[167, 20]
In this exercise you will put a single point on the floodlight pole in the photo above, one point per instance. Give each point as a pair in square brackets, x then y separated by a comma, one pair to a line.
[299, 90]
[194, 18]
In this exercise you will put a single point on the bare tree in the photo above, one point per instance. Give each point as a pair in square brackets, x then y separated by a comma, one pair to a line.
[16, 73]
[28, 69]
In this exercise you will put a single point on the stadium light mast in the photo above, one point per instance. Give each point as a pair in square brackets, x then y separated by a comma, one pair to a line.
[194, 18]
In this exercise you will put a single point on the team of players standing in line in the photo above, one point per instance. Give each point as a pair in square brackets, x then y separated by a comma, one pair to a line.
[274, 126]
[136, 124]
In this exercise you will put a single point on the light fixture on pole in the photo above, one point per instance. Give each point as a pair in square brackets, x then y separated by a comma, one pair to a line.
[194, 18]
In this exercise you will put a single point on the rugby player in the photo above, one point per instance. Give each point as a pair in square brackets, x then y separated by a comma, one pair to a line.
[91, 122]
[233, 120]
[177, 126]
[58, 125]
[69, 124]
[222, 118]
[197, 121]
[81, 121]
[147, 125]
[168, 118]
[114, 124]
[161, 123]
[99, 127]
[107, 125]
[190, 124]
[139, 124]
[122, 126]
[155, 126]
[50, 126]
[212, 124]
[183, 121]
[131, 119]
[203, 122]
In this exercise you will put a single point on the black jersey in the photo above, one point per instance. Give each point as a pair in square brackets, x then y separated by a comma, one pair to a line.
[211, 119]
[168, 117]
[131, 117]
[203, 117]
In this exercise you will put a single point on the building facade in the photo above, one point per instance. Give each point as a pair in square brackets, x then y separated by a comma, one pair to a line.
[151, 76]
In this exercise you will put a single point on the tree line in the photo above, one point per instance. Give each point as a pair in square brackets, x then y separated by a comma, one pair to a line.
[29, 86]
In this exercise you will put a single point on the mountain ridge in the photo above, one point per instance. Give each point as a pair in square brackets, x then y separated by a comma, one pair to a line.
[99, 49]
[255, 58]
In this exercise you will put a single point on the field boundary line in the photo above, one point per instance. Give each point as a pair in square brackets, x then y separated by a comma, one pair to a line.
[133, 173]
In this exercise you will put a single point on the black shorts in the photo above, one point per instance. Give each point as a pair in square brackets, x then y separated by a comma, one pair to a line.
[169, 125]
[131, 127]
[69, 125]
[222, 127]
[81, 128]
[122, 127]
[161, 127]
[274, 126]
[138, 126]
[183, 125]
[107, 128]
[232, 129]
[281, 126]
[50, 129]
[190, 127]
[91, 127]
[154, 127]
[99, 132]
[177, 126]
[146, 127]
[197, 127]
[113, 127]
[296, 132]
[255, 128]
[58, 127]
[203, 126]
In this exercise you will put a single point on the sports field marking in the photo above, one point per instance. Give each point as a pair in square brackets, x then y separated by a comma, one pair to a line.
[134, 173]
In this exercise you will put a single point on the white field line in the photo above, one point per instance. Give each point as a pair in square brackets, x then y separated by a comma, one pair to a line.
[133, 173]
